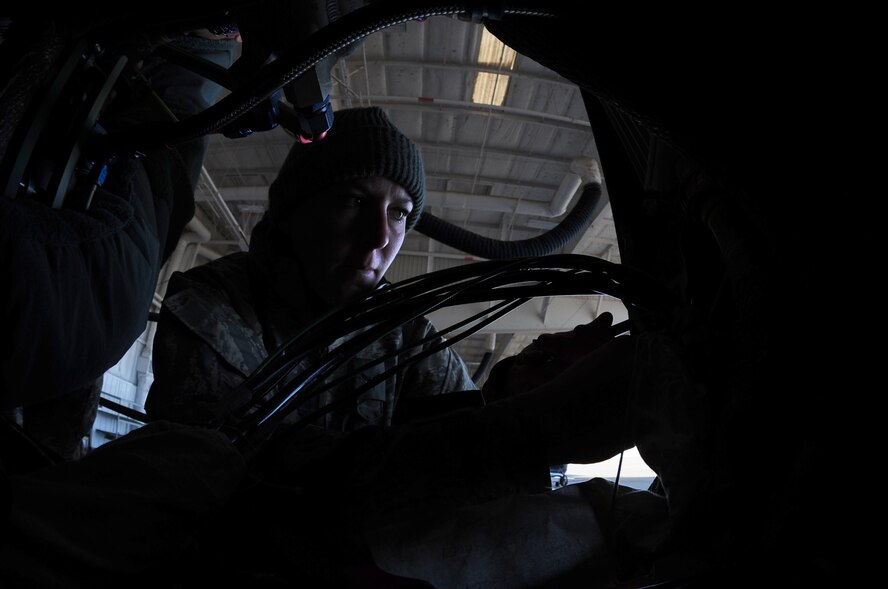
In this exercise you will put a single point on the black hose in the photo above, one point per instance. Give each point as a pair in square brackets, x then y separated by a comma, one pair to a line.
[548, 243]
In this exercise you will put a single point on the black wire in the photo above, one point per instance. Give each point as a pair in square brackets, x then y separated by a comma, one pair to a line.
[385, 375]
[347, 319]
[439, 297]
[497, 311]
[434, 337]
[386, 309]
[493, 271]
[124, 410]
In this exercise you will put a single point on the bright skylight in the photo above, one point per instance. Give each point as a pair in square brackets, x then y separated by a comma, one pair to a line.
[491, 88]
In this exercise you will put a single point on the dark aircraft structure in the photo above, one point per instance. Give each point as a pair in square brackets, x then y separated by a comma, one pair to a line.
[738, 147]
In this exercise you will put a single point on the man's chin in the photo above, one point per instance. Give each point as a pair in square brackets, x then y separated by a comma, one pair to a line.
[355, 289]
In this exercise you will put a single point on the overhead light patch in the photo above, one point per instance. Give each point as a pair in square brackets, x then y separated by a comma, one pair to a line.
[490, 88]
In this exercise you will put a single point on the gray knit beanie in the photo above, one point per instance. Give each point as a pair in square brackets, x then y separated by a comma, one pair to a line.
[362, 142]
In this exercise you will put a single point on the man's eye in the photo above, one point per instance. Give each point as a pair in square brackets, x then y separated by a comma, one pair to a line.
[353, 201]
[398, 214]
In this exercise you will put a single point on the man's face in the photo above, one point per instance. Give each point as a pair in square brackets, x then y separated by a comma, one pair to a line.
[347, 235]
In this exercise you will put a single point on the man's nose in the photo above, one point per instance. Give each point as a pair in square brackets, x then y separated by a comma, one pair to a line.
[377, 228]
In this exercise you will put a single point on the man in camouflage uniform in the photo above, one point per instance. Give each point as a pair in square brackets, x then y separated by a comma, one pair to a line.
[338, 214]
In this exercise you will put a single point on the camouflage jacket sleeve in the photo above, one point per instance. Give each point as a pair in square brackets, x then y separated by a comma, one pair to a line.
[441, 372]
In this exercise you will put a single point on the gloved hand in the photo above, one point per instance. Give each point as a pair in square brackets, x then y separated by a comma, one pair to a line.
[576, 385]
[546, 357]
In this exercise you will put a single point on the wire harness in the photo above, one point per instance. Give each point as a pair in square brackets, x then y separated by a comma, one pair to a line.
[286, 380]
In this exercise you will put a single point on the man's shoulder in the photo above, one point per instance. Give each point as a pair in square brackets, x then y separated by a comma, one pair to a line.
[221, 266]
[229, 282]
[227, 272]
[216, 298]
